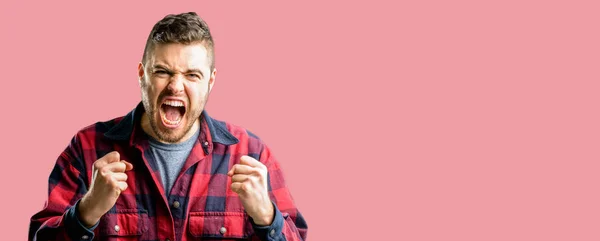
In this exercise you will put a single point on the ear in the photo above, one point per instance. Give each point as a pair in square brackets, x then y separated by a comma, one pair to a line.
[213, 78]
[140, 73]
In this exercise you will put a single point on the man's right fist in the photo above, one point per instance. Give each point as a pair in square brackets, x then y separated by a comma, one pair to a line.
[108, 181]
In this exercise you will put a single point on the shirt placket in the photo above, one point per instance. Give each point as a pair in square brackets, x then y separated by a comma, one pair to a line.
[179, 198]
[165, 226]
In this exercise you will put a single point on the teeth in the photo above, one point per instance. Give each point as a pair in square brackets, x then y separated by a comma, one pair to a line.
[175, 103]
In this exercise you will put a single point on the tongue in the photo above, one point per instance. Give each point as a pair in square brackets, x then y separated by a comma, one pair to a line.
[172, 113]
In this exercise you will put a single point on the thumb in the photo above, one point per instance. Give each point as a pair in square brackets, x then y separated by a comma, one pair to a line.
[128, 166]
[111, 157]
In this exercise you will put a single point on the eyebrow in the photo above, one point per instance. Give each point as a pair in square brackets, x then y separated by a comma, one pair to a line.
[160, 66]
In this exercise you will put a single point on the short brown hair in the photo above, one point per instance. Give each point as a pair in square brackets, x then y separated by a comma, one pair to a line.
[184, 28]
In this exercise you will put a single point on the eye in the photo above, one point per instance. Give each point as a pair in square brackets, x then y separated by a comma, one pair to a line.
[161, 73]
[194, 76]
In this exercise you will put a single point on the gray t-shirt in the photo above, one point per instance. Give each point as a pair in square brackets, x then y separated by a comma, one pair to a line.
[170, 158]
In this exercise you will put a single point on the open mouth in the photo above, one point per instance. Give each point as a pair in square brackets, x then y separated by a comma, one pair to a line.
[171, 112]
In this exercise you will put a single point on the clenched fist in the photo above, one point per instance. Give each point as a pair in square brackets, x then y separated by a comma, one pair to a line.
[108, 181]
[249, 181]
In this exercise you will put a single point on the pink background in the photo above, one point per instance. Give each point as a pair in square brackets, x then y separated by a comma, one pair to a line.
[437, 120]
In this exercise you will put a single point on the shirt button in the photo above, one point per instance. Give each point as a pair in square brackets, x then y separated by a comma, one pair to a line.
[117, 228]
[176, 204]
[206, 143]
[85, 237]
[223, 230]
[272, 233]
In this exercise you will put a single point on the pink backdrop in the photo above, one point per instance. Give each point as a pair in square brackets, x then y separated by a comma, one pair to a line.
[437, 120]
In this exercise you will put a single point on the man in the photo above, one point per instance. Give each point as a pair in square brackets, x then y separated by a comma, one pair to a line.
[167, 170]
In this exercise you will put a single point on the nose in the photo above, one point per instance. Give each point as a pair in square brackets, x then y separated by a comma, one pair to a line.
[176, 84]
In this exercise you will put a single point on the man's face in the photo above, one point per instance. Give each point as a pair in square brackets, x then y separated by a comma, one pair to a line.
[175, 83]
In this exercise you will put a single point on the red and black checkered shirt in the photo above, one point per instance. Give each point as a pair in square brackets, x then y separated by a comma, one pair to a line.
[201, 204]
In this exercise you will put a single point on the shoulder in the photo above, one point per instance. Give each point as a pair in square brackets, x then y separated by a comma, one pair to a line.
[99, 128]
[242, 138]
[81, 150]
[250, 144]
[240, 131]
[236, 131]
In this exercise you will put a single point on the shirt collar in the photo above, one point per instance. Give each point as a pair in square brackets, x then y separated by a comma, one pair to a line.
[123, 130]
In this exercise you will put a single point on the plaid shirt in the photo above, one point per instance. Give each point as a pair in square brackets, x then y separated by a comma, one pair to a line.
[201, 204]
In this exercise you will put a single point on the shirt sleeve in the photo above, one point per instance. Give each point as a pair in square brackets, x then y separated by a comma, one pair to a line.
[58, 220]
[288, 223]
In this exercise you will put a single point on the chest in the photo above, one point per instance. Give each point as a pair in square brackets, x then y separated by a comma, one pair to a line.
[200, 203]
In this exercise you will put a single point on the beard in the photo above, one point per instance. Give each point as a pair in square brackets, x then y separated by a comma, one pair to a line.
[173, 136]
[162, 134]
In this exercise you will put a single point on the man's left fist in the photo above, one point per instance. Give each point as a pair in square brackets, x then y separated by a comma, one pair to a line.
[249, 181]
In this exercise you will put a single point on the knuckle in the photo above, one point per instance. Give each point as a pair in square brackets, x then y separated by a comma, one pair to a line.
[103, 172]
[121, 166]
[113, 154]
[246, 187]
[106, 181]
[252, 179]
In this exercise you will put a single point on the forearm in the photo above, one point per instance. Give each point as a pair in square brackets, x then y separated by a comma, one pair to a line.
[46, 225]
[288, 222]
[67, 184]
[282, 228]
